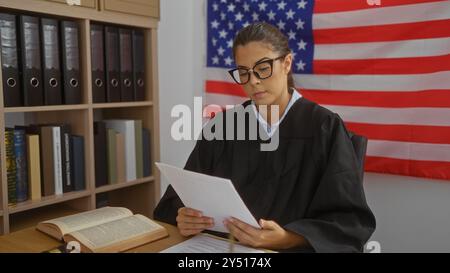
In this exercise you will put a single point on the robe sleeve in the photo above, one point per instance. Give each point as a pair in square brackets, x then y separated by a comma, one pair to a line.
[338, 218]
[200, 160]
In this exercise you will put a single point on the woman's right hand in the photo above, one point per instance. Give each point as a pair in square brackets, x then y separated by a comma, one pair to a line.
[192, 222]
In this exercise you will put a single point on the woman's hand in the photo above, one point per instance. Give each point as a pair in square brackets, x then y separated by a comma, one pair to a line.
[192, 222]
[271, 236]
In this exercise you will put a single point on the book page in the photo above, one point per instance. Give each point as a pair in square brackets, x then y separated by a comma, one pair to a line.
[204, 243]
[113, 232]
[216, 197]
[88, 219]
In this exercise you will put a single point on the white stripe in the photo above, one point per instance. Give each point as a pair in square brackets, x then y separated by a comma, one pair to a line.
[401, 49]
[406, 116]
[409, 150]
[411, 82]
[383, 16]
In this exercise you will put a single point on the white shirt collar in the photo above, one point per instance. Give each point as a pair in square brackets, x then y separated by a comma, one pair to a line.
[270, 130]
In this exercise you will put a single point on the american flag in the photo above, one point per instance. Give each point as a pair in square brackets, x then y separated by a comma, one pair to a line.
[385, 69]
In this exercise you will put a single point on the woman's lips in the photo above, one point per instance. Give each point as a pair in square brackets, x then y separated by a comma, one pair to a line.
[259, 95]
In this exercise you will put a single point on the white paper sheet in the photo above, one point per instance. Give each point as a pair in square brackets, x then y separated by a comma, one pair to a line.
[215, 197]
[203, 243]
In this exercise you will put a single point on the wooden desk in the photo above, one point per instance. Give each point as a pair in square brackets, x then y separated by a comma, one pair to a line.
[32, 241]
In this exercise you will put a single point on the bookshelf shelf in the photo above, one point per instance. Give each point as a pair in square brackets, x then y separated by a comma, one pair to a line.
[48, 200]
[140, 196]
[46, 108]
[124, 185]
[122, 105]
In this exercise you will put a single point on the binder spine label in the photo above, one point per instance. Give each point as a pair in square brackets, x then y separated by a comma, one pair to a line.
[9, 44]
[71, 42]
[51, 47]
[32, 60]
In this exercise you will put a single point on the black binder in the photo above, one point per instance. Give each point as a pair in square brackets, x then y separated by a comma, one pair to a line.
[50, 62]
[98, 64]
[101, 168]
[70, 49]
[139, 65]
[126, 65]
[112, 53]
[30, 42]
[12, 95]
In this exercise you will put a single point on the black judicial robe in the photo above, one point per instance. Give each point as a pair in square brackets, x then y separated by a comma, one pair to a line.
[310, 185]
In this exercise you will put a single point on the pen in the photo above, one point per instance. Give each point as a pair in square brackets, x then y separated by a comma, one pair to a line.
[232, 241]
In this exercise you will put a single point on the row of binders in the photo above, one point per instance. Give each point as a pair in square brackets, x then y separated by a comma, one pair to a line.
[43, 160]
[122, 151]
[41, 62]
[118, 64]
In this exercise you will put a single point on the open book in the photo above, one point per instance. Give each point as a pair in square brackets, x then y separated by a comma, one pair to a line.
[108, 229]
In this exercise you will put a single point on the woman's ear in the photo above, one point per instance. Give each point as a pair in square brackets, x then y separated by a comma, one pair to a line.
[288, 63]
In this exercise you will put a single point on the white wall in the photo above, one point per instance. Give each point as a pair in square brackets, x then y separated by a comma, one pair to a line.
[181, 55]
[413, 215]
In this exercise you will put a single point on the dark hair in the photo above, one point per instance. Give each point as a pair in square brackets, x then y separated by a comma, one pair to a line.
[269, 34]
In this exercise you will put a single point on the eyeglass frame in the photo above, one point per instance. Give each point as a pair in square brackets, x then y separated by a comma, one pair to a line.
[270, 61]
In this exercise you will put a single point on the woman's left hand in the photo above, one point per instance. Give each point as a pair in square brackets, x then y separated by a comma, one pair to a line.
[271, 235]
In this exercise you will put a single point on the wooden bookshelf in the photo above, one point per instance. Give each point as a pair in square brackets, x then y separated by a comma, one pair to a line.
[121, 185]
[142, 195]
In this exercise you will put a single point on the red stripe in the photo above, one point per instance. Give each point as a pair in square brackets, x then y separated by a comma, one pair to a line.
[406, 133]
[324, 6]
[428, 169]
[386, 66]
[225, 88]
[426, 98]
[380, 33]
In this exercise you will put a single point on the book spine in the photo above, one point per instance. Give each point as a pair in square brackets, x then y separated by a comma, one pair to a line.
[10, 166]
[138, 147]
[77, 162]
[34, 167]
[111, 154]
[21, 166]
[146, 151]
[68, 185]
[57, 160]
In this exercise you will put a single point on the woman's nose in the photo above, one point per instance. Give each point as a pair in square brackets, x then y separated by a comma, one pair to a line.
[254, 80]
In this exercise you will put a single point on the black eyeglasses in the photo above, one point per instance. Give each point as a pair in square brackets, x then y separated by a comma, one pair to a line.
[262, 70]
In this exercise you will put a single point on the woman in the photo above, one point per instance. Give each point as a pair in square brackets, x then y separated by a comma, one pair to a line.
[307, 193]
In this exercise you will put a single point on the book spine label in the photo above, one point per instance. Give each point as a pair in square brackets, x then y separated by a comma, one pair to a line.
[21, 166]
[57, 160]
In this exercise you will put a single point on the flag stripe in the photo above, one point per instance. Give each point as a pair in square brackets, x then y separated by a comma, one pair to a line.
[386, 66]
[408, 133]
[400, 83]
[430, 169]
[380, 33]
[327, 6]
[384, 16]
[409, 150]
[401, 49]
[407, 116]
[425, 98]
